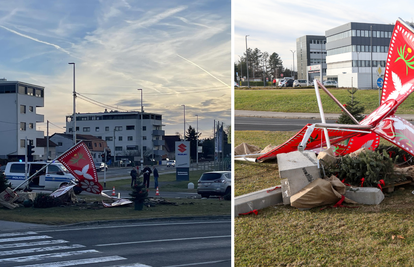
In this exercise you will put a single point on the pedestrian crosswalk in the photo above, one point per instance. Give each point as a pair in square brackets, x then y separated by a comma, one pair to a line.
[30, 249]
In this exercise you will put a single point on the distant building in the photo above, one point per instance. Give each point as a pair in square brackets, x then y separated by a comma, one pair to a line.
[41, 144]
[170, 145]
[65, 141]
[310, 51]
[355, 51]
[122, 132]
[19, 103]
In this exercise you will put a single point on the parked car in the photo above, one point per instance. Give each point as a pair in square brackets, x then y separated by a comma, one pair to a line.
[235, 84]
[299, 83]
[171, 163]
[330, 83]
[214, 183]
[282, 83]
[289, 83]
[100, 166]
[124, 162]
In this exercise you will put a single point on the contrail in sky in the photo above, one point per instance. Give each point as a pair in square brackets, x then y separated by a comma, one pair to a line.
[36, 40]
[204, 71]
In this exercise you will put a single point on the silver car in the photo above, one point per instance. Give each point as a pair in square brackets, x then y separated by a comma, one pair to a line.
[299, 83]
[214, 183]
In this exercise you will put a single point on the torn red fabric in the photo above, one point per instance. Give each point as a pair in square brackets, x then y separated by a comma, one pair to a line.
[250, 212]
[270, 190]
[78, 160]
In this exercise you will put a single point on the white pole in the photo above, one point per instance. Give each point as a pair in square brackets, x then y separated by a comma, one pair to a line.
[142, 139]
[197, 142]
[74, 106]
[318, 98]
[184, 123]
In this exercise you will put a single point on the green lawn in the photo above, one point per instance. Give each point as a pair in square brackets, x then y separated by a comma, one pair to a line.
[304, 100]
[381, 235]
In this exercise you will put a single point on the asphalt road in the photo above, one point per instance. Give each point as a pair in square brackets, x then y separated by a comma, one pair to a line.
[189, 242]
[271, 124]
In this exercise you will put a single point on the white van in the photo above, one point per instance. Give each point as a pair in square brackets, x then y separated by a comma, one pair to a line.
[51, 178]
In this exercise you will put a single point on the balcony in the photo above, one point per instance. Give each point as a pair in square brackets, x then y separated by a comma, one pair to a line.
[158, 132]
[158, 142]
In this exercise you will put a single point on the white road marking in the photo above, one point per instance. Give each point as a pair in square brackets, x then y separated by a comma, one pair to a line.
[17, 234]
[77, 262]
[198, 263]
[51, 255]
[163, 240]
[24, 238]
[37, 250]
[31, 244]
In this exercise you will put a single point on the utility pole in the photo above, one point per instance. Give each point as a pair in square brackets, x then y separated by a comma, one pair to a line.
[74, 105]
[247, 63]
[47, 141]
[293, 57]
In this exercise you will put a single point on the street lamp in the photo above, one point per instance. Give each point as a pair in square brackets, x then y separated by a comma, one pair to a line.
[293, 57]
[141, 139]
[241, 70]
[74, 105]
[247, 63]
[197, 142]
[184, 123]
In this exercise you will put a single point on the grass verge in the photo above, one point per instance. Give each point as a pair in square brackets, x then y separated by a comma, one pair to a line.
[90, 208]
[304, 100]
[380, 235]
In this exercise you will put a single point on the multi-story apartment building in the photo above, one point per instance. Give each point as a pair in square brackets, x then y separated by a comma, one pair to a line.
[19, 102]
[122, 132]
[355, 51]
[311, 51]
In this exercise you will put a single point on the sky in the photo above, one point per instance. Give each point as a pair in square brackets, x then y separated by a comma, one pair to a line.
[274, 26]
[178, 52]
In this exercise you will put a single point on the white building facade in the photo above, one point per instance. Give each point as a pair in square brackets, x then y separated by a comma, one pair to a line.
[19, 102]
[355, 52]
[122, 132]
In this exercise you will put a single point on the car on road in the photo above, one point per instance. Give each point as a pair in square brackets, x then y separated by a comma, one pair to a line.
[171, 163]
[330, 83]
[100, 166]
[299, 83]
[216, 183]
[282, 83]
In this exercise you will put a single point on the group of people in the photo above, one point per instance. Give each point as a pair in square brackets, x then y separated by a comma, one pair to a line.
[146, 172]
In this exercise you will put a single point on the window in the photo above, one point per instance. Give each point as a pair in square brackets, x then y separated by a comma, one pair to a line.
[130, 127]
[86, 129]
[118, 148]
[22, 126]
[22, 109]
[22, 90]
[106, 128]
[108, 138]
[130, 138]
[60, 143]
[118, 128]
[120, 138]
[29, 91]
[30, 125]
[132, 148]
[358, 33]
[96, 129]
[144, 138]
[22, 143]
[52, 169]
[144, 128]
[31, 108]
[144, 148]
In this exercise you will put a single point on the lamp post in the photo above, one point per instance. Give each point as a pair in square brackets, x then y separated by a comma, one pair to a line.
[184, 123]
[293, 57]
[141, 139]
[74, 105]
[241, 70]
[197, 142]
[247, 63]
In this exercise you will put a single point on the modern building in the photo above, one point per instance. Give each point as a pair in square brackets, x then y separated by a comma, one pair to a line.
[65, 141]
[356, 52]
[310, 51]
[122, 132]
[19, 103]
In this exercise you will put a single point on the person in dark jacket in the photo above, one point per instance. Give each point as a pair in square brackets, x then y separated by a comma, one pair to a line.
[133, 176]
[155, 172]
[147, 173]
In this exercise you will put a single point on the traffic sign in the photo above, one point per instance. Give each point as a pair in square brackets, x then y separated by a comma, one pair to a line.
[379, 70]
[380, 82]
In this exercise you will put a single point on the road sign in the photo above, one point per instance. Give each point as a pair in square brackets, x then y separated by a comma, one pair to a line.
[380, 82]
[379, 70]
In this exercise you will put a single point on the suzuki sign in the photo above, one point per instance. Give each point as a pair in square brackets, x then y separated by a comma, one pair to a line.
[182, 160]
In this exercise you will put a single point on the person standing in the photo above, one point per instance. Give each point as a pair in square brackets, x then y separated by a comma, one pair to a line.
[274, 82]
[155, 173]
[133, 177]
[147, 172]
